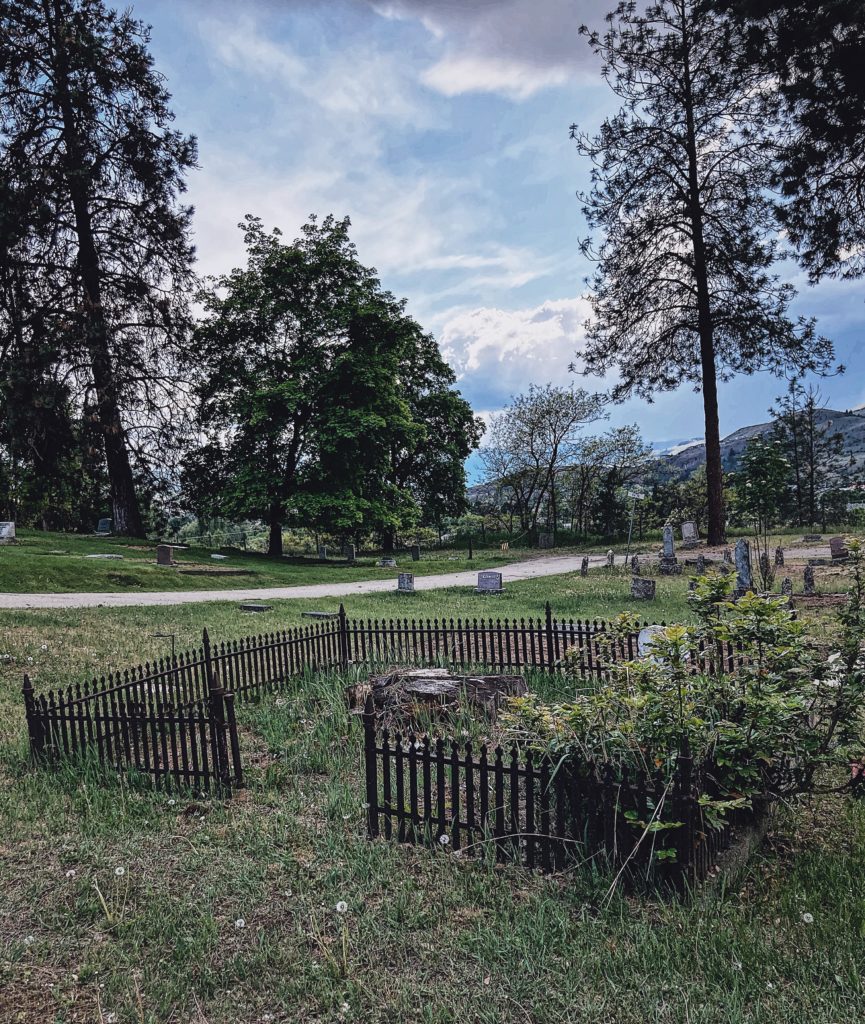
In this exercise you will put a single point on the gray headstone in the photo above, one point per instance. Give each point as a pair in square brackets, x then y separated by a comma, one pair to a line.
[415, 553]
[642, 588]
[701, 565]
[744, 576]
[7, 532]
[610, 558]
[387, 563]
[779, 556]
[322, 551]
[405, 583]
[320, 615]
[812, 538]
[489, 582]
[787, 587]
[838, 548]
[104, 525]
[635, 565]
[106, 557]
[545, 540]
[669, 548]
[808, 579]
[253, 606]
[584, 566]
[349, 552]
[728, 556]
[163, 554]
[690, 534]
[765, 567]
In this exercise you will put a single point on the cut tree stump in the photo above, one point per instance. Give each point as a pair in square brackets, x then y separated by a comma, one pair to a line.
[402, 694]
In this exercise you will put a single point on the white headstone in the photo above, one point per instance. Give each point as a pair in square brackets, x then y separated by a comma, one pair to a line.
[690, 531]
[7, 533]
[669, 550]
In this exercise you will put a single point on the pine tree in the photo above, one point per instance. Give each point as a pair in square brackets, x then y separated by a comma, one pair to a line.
[683, 291]
[85, 137]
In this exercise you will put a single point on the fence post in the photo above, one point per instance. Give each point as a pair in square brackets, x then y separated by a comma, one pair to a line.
[35, 725]
[371, 765]
[551, 661]
[343, 638]
[232, 736]
[216, 704]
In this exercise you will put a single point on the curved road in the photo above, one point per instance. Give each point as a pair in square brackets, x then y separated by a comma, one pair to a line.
[531, 569]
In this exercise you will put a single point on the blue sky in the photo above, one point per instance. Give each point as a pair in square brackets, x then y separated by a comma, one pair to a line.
[441, 128]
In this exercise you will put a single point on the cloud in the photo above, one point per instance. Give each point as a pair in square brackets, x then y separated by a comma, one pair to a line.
[509, 47]
[496, 353]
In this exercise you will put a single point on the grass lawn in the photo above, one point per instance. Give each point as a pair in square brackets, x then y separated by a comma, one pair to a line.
[58, 563]
[224, 912]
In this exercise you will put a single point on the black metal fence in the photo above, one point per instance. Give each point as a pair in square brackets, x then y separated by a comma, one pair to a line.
[511, 806]
[174, 719]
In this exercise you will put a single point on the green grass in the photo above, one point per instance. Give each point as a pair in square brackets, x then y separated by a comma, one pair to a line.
[58, 563]
[426, 937]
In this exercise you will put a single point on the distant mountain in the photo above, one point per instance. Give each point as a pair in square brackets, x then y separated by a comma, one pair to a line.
[688, 457]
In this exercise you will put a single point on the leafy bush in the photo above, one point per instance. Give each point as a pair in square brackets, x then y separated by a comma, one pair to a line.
[778, 725]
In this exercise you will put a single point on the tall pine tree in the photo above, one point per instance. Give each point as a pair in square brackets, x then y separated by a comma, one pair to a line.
[684, 291]
[86, 144]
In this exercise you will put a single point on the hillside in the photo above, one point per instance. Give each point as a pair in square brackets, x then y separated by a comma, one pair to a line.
[686, 458]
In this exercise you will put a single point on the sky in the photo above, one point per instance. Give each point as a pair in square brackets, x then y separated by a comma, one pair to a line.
[441, 128]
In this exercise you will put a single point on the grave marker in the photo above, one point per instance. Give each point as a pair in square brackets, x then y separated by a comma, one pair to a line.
[7, 533]
[642, 588]
[164, 554]
[635, 565]
[387, 563]
[744, 576]
[808, 580]
[838, 548]
[104, 526]
[668, 564]
[415, 553]
[584, 566]
[787, 587]
[349, 552]
[690, 534]
[545, 540]
[405, 583]
[779, 556]
[489, 582]
[322, 552]
[610, 559]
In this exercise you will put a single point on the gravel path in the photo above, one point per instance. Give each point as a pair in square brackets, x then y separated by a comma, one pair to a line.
[531, 569]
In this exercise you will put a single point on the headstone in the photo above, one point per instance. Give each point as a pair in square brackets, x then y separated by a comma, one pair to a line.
[701, 565]
[787, 587]
[669, 564]
[642, 588]
[812, 538]
[349, 552]
[610, 559]
[106, 557]
[415, 553]
[584, 566]
[728, 556]
[690, 534]
[163, 554]
[779, 556]
[635, 565]
[489, 582]
[808, 579]
[252, 606]
[387, 563]
[322, 552]
[838, 548]
[104, 525]
[646, 639]
[765, 567]
[7, 533]
[320, 615]
[744, 576]
[692, 584]
[219, 558]
[545, 540]
[405, 583]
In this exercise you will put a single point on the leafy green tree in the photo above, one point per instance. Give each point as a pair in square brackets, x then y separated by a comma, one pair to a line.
[85, 137]
[684, 290]
[813, 449]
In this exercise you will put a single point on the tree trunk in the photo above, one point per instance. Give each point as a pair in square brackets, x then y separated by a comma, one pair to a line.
[124, 501]
[274, 540]
[714, 471]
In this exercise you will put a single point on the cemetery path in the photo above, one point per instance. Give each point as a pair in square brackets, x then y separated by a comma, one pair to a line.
[532, 568]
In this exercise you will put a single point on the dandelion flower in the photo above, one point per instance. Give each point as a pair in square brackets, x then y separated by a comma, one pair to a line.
[29, 940]
[240, 923]
[341, 907]
[171, 803]
[120, 872]
[44, 647]
[70, 873]
[807, 918]
[444, 840]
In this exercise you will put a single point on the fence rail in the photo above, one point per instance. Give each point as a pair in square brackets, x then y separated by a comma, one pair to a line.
[173, 719]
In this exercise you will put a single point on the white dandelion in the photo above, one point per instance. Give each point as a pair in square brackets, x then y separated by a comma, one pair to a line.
[341, 907]
[29, 940]
[240, 923]
[807, 918]
[171, 803]
[444, 839]
[44, 647]
[70, 873]
[120, 872]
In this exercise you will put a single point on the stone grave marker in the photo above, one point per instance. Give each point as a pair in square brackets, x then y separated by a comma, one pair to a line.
[646, 639]
[808, 580]
[838, 548]
[415, 552]
[349, 552]
[765, 567]
[584, 566]
[219, 558]
[254, 606]
[387, 563]
[701, 565]
[669, 564]
[744, 576]
[635, 565]
[489, 582]
[690, 534]
[642, 588]
[405, 583]
[812, 538]
[322, 552]
[7, 533]
[320, 615]
[779, 556]
[610, 559]
[787, 587]
[106, 557]
[104, 525]
[164, 554]
[728, 556]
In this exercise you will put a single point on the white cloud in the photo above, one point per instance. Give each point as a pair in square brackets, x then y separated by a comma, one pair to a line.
[463, 73]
